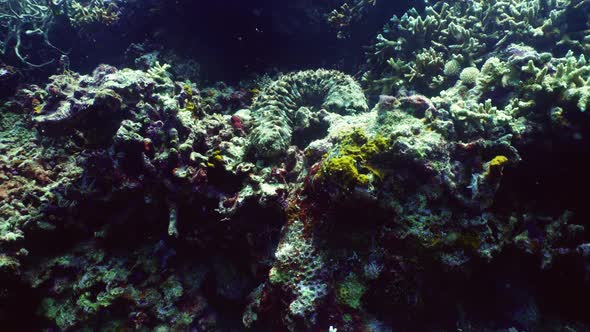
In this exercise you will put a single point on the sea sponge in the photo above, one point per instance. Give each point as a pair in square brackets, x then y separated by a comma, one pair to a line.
[469, 75]
[496, 166]
[344, 170]
[274, 110]
[349, 164]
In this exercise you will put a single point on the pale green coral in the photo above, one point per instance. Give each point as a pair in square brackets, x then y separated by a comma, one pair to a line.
[462, 31]
[469, 75]
[570, 81]
[159, 72]
[275, 109]
[64, 316]
[96, 281]
[494, 74]
[101, 12]
[452, 68]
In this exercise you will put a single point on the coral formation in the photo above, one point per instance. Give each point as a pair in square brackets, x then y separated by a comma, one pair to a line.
[462, 32]
[469, 75]
[302, 94]
[131, 199]
[350, 164]
[91, 280]
[94, 13]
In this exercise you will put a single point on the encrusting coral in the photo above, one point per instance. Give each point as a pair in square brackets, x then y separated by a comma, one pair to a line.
[38, 180]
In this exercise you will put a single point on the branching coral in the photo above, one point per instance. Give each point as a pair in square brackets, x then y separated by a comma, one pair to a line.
[97, 12]
[461, 32]
[342, 18]
[570, 81]
[21, 20]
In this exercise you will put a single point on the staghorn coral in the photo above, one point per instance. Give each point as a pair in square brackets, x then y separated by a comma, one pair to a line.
[568, 79]
[275, 109]
[100, 12]
[341, 19]
[462, 32]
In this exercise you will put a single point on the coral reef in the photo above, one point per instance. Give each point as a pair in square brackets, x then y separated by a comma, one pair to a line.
[142, 139]
[135, 199]
[89, 280]
[25, 21]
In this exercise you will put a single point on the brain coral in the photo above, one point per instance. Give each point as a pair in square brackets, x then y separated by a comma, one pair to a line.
[275, 109]
[469, 75]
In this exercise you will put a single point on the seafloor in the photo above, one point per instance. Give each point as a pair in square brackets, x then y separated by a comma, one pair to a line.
[326, 165]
